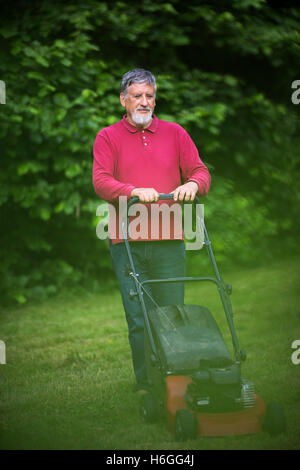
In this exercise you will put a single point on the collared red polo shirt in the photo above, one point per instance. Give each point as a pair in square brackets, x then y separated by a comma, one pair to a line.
[162, 156]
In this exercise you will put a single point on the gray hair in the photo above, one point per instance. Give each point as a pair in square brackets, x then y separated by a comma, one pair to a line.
[136, 76]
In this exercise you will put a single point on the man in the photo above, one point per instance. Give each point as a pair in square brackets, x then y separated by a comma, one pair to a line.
[144, 156]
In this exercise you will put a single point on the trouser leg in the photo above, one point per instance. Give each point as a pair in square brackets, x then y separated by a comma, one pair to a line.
[168, 260]
[132, 306]
[151, 260]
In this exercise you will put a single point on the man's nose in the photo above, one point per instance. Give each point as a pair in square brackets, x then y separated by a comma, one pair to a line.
[144, 101]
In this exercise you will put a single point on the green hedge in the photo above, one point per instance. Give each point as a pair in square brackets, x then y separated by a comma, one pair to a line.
[223, 72]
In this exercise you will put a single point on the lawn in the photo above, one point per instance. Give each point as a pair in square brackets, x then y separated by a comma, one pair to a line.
[67, 381]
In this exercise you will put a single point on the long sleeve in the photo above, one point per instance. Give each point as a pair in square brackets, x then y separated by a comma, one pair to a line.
[105, 184]
[192, 167]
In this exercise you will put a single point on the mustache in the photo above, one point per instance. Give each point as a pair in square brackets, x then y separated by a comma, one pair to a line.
[143, 109]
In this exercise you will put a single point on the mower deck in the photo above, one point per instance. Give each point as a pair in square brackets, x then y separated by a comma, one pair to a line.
[246, 421]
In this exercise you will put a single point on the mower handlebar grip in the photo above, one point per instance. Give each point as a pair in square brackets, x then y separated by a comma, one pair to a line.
[135, 199]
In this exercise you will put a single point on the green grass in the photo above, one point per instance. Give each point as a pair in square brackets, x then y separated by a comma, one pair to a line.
[68, 378]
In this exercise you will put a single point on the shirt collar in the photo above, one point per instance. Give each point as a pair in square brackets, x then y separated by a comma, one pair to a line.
[152, 128]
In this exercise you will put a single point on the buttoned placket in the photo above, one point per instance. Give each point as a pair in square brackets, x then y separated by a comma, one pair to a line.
[144, 139]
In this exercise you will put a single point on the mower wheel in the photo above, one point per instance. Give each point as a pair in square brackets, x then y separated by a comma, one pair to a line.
[275, 420]
[185, 425]
[148, 408]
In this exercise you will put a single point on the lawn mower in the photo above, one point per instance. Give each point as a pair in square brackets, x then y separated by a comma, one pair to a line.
[192, 375]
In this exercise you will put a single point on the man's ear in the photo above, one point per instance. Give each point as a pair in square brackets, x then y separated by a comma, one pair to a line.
[122, 99]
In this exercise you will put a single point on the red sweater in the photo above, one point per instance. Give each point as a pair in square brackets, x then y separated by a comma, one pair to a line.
[159, 157]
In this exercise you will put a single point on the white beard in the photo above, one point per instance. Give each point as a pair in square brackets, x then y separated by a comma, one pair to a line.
[141, 119]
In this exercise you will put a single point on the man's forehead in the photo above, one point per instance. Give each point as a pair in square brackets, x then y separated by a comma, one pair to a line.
[141, 87]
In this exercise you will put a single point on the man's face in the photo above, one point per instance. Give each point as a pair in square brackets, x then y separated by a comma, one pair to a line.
[139, 103]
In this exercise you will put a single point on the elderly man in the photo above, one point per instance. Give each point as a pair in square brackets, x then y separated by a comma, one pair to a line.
[144, 156]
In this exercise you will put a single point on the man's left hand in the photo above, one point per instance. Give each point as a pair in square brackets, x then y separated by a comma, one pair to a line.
[186, 191]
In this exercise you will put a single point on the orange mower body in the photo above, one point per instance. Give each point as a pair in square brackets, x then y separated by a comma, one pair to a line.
[245, 421]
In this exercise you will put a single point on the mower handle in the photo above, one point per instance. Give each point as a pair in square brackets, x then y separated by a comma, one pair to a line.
[239, 355]
[136, 199]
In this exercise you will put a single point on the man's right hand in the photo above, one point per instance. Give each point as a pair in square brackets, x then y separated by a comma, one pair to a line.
[145, 194]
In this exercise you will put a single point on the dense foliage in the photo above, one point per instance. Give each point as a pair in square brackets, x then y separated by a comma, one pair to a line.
[224, 72]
